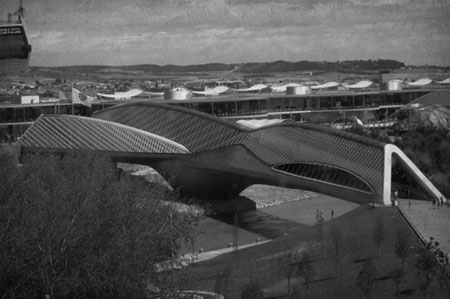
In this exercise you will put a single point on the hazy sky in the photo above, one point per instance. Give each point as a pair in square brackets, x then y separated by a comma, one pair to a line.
[120, 32]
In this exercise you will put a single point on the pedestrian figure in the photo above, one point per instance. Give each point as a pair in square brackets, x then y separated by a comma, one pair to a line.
[332, 214]
[434, 202]
[393, 198]
[409, 204]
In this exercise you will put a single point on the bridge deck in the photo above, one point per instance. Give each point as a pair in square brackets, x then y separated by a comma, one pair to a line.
[429, 220]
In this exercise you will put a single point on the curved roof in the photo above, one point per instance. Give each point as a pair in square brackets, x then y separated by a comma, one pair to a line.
[84, 133]
[274, 144]
[258, 123]
[421, 82]
[326, 85]
[252, 88]
[144, 114]
[360, 84]
[122, 95]
[212, 91]
[195, 130]
[446, 81]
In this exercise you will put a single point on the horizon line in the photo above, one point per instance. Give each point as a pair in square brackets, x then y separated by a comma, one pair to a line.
[242, 63]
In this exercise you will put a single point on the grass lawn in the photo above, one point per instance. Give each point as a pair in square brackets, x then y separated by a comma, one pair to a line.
[261, 263]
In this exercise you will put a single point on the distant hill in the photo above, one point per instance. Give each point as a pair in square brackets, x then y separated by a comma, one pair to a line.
[251, 67]
[339, 66]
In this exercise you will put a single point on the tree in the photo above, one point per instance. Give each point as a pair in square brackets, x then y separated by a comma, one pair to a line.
[287, 265]
[428, 147]
[444, 283]
[379, 233]
[236, 238]
[402, 246]
[396, 275]
[428, 268]
[74, 226]
[444, 154]
[223, 280]
[366, 278]
[320, 226]
[306, 270]
[430, 272]
[336, 238]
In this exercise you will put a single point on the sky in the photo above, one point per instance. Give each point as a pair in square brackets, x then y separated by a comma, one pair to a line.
[182, 32]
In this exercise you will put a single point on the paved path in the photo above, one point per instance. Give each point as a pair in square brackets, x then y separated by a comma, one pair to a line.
[212, 254]
[430, 221]
[187, 259]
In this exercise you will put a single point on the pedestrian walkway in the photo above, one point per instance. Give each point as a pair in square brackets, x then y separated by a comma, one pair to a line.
[430, 220]
[187, 259]
[212, 254]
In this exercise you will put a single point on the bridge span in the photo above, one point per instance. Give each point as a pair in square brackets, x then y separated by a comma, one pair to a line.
[208, 156]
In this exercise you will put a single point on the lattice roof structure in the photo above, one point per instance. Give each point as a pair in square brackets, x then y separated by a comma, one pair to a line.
[208, 156]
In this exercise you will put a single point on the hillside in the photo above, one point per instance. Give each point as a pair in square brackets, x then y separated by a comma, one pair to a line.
[251, 67]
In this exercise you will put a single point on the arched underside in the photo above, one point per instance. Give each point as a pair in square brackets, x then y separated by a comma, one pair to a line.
[207, 157]
[227, 177]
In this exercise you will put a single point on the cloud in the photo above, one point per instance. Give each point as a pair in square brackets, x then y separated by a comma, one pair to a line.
[47, 40]
[194, 31]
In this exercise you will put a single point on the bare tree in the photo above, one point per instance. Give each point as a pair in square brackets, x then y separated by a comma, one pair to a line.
[403, 246]
[76, 227]
[236, 238]
[428, 267]
[379, 234]
[366, 278]
[223, 280]
[287, 266]
[218, 284]
[444, 283]
[320, 227]
[306, 270]
[336, 239]
[396, 275]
